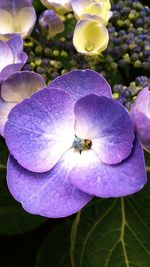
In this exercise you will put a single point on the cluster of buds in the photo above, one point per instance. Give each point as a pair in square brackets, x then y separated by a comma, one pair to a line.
[70, 140]
[90, 34]
[125, 61]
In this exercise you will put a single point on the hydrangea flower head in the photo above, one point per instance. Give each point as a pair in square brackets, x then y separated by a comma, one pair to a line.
[69, 142]
[14, 89]
[140, 113]
[60, 6]
[12, 57]
[16, 17]
[90, 37]
[51, 23]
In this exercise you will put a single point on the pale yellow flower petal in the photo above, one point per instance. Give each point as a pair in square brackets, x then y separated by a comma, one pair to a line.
[6, 22]
[90, 37]
[60, 6]
[26, 18]
[6, 55]
[14, 19]
[106, 3]
[95, 17]
[99, 8]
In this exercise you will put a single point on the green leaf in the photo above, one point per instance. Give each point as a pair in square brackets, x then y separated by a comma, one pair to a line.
[3, 154]
[13, 219]
[38, 6]
[113, 233]
[147, 158]
[55, 248]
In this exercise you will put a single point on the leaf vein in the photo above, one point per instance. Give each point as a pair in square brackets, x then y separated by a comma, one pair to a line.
[93, 228]
[138, 239]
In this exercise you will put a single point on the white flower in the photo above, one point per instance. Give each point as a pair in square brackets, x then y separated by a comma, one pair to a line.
[90, 37]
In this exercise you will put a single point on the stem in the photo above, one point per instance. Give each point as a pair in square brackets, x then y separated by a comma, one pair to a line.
[73, 237]
[123, 232]
[34, 40]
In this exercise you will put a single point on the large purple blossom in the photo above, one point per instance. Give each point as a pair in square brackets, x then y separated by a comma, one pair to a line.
[140, 113]
[69, 142]
[12, 57]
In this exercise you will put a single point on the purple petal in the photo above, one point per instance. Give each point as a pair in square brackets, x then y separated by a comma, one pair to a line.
[93, 177]
[48, 194]
[142, 102]
[14, 4]
[107, 124]
[15, 43]
[5, 108]
[21, 85]
[51, 22]
[80, 83]
[140, 113]
[40, 129]
[6, 55]
[12, 68]
[14, 57]
[142, 127]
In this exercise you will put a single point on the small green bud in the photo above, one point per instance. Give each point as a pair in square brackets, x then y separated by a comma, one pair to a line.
[137, 64]
[115, 95]
[126, 57]
[70, 16]
[33, 65]
[120, 23]
[56, 53]
[114, 65]
[47, 51]
[38, 61]
[30, 44]
[64, 71]
[63, 53]
[62, 39]
[38, 49]
[133, 15]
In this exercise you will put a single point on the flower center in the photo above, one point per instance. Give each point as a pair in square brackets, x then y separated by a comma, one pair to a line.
[89, 47]
[81, 144]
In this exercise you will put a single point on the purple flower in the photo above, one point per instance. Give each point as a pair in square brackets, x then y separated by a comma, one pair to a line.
[51, 22]
[12, 57]
[14, 89]
[69, 142]
[16, 16]
[140, 113]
